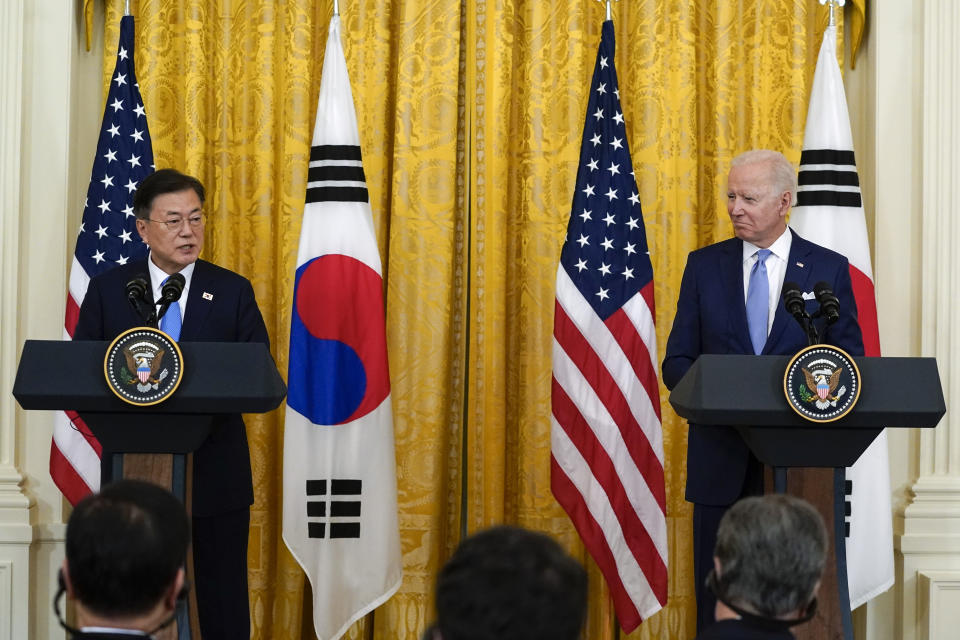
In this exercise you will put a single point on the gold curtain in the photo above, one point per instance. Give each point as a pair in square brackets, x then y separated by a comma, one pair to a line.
[470, 118]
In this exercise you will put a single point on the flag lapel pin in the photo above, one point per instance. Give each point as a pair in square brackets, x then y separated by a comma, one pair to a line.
[207, 295]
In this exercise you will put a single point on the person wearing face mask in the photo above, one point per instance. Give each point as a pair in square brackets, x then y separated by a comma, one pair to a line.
[767, 567]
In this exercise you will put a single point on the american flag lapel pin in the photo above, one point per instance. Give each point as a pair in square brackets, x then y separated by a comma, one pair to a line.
[207, 295]
[800, 264]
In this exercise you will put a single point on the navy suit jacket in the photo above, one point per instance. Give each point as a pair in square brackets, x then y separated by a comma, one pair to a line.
[712, 318]
[222, 480]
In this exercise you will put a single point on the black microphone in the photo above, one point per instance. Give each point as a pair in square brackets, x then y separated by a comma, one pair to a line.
[137, 290]
[795, 306]
[793, 300]
[172, 288]
[829, 304]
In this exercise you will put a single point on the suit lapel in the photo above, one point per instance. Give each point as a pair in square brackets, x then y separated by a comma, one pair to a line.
[197, 307]
[733, 281]
[798, 271]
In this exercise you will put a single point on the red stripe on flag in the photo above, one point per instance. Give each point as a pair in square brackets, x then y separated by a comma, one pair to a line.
[866, 298]
[66, 478]
[601, 466]
[603, 384]
[637, 353]
[71, 316]
[595, 542]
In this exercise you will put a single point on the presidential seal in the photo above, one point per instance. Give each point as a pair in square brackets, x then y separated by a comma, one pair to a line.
[822, 383]
[143, 366]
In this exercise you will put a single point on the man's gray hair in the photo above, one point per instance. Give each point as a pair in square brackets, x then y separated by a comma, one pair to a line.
[771, 550]
[783, 175]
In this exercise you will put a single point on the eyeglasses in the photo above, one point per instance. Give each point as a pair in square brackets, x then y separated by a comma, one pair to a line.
[175, 224]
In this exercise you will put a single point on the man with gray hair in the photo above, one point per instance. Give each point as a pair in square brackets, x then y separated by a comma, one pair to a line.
[729, 302]
[767, 566]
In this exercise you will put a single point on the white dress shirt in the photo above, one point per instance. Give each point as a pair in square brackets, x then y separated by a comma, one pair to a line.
[158, 275]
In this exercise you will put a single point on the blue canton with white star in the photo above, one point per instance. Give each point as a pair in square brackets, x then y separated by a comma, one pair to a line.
[605, 252]
[108, 235]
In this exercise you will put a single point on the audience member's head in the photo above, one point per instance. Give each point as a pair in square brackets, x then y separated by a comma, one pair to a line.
[769, 557]
[507, 583]
[125, 552]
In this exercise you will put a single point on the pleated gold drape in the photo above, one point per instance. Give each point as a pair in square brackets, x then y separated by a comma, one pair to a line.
[470, 119]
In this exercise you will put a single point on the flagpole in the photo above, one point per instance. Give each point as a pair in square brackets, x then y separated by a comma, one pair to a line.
[126, 8]
[336, 7]
[609, 14]
[833, 3]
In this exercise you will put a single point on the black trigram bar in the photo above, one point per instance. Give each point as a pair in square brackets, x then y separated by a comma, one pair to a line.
[840, 178]
[346, 487]
[337, 194]
[829, 198]
[826, 156]
[316, 487]
[343, 509]
[344, 529]
[316, 530]
[316, 509]
[847, 506]
[336, 172]
[335, 152]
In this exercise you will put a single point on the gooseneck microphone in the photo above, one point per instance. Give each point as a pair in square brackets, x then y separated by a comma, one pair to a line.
[170, 292]
[829, 304]
[793, 300]
[137, 290]
[795, 305]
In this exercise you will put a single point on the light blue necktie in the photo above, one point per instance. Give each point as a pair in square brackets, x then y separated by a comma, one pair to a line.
[172, 320]
[758, 301]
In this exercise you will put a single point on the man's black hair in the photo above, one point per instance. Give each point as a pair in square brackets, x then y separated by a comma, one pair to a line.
[507, 583]
[125, 546]
[160, 182]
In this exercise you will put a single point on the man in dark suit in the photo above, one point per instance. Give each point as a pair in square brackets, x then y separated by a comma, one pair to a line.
[729, 302]
[125, 552]
[217, 305]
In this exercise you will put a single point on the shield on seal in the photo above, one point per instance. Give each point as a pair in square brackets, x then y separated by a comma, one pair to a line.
[823, 389]
[143, 372]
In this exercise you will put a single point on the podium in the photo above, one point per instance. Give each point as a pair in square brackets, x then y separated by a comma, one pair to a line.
[218, 378]
[746, 392]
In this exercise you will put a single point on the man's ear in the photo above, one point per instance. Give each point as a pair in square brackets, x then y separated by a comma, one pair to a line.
[64, 578]
[170, 598]
[786, 201]
[716, 566]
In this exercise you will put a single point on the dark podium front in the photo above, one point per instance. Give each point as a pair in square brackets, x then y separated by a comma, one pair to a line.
[746, 392]
[218, 378]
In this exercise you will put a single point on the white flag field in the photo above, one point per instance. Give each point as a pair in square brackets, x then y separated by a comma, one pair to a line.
[339, 470]
[829, 212]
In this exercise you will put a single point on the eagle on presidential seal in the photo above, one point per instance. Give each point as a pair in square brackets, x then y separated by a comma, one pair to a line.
[145, 365]
[822, 383]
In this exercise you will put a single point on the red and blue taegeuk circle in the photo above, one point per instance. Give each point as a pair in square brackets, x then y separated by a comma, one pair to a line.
[338, 349]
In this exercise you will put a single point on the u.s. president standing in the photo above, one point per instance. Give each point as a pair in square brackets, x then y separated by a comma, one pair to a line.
[217, 305]
[729, 302]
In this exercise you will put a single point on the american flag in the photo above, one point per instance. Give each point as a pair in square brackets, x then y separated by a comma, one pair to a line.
[108, 237]
[607, 443]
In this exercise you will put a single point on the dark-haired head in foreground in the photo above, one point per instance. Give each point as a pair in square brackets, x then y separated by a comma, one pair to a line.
[507, 583]
[125, 552]
[769, 557]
